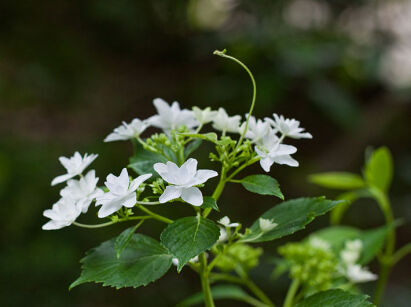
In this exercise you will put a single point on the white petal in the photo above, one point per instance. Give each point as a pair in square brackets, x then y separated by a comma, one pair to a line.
[115, 137]
[192, 196]
[138, 181]
[203, 175]
[286, 159]
[129, 201]
[62, 178]
[170, 193]
[53, 225]
[266, 164]
[109, 208]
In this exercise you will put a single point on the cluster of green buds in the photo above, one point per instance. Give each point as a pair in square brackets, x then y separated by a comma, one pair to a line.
[239, 257]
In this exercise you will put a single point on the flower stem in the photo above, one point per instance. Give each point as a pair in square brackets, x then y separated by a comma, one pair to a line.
[292, 291]
[205, 284]
[155, 215]
[93, 226]
[257, 291]
[401, 253]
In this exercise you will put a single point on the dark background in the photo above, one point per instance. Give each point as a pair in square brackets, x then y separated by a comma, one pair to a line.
[71, 71]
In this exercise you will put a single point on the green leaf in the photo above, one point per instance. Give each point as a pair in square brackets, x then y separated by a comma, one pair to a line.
[291, 216]
[210, 202]
[220, 292]
[372, 240]
[142, 161]
[188, 237]
[193, 146]
[379, 169]
[262, 184]
[348, 198]
[143, 261]
[335, 298]
[124, 238]
[211, 137]
[338, 180]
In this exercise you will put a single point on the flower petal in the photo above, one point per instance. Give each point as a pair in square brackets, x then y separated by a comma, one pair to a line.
[170, 193]
[62, 178]
[138, 181]
[192, 196]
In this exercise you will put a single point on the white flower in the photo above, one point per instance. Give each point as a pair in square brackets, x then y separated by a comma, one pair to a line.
[289, 127]
[74, 166]
[204, 116]
[183, 180]
[351, 252]
[257, 129]
[225, 123]
[127, 131]
[357, 274]
[192, 260]
[63, 213]
[225, 221]
[223, 235]
[121, 193]
[171, 117]
[266, 224]
[82, 191]
[319, 243]
[272, 151]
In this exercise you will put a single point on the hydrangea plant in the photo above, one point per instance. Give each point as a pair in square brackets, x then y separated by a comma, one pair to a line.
[162, 172]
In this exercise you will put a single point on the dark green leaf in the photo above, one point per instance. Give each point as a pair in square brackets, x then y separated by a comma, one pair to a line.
[338, 180]
[262, 184]
[193, 146]
[210, 202]
[335, 298]
[142, 161]
[124, 238]
[379, 169]
[220, 292]
[188, 237]
[373, 242]
[291, 216]
[143, 261]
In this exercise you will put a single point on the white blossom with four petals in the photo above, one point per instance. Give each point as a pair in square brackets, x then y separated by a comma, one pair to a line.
[171, 117]
[127, 131]
[183, 181]
[225, 221]
[121, 193]
[82, 191]
[74, 166]
[288, 127]
[266, 224]
[204, 116]
[225, 123]
[62, 214]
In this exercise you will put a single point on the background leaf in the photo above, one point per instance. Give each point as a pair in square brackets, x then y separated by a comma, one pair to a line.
[188, 237]
[210, 202]
[290, 216]
[142, 161]
[192, 146]
[379, 169]
[338, 180]
[335, 298]
[144, 260]
[262, 184]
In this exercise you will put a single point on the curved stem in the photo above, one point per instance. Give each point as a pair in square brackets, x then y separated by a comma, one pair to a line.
[401, 253]
[205, 284]
[93, 226]
[292, 291]
[257, 291]
[250, 162]
[224, 55]
[155, 215]
[148, 203]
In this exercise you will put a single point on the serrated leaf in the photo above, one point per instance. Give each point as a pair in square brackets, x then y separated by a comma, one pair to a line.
[210, 202]
[262, 184]
[379, 169]
[219, 292]
[142, 161]
[335, 298]
[291, 216]
[124, 238]
[193, 146]
[338, 180]
[144, 260]
[188, 237]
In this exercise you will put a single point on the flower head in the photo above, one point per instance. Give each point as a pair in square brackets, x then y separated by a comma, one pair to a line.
[225, 221]
[121, 193]
[257, 129]
[266, 224]
[74, 166]
[289, 127]
[63, 213]
[319, 243]
[226, 123]
[358, 274]
[204, 116]
[171, 117]
[351, 252]
[272, 151]
[127, 131]
[183, 181]
[82, 191]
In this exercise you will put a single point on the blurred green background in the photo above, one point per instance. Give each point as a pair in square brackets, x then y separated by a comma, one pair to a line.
[71, 71]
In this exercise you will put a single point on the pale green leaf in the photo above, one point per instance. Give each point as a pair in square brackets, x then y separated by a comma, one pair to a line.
[143, 261]
[188, 237]
[335, 298]
[338, 180]
[379, 169]
[291, 216]
[262, 184]
[210, 202]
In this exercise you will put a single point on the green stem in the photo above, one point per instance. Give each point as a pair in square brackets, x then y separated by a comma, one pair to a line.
[292, 291]
[218, 190]
[148, 203]
[250, 162]
[401, 253]
[155, 215]
[93, 226]
[258, 292]
[224, 55]
[205, 284]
